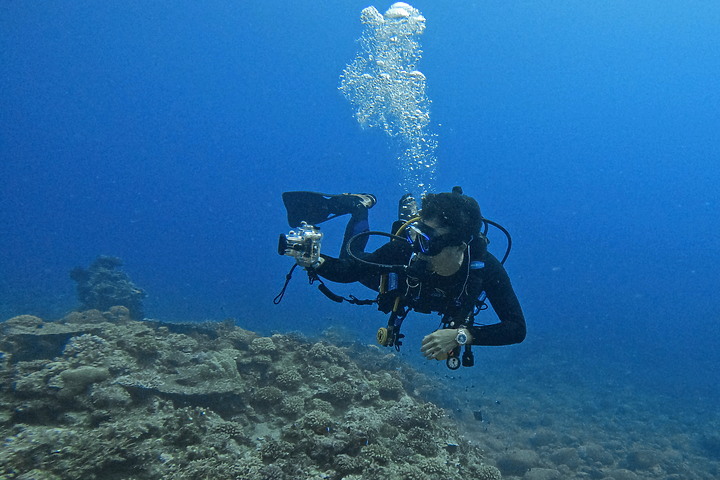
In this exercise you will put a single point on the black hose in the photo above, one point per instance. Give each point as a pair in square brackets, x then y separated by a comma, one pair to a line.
[507, 235]
[379, 266]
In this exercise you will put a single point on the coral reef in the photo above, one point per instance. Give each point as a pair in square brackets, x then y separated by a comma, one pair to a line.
[98, 395]
[103, 396]
[102, 286]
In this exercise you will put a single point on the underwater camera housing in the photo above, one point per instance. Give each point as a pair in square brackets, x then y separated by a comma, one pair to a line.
[302, 243]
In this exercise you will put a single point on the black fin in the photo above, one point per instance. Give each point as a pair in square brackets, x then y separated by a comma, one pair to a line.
[310, 207]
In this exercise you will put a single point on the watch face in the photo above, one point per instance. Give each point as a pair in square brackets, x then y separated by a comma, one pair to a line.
[461, 338]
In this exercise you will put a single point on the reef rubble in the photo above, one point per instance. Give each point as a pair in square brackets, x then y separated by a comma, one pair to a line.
[98, 395]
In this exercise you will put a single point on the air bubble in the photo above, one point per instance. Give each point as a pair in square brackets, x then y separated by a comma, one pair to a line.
[388, 91]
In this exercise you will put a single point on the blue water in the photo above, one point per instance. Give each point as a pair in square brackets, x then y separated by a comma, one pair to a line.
[164, 134]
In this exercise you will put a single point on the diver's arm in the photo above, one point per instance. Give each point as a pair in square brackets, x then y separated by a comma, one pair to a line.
[348, 270]
[340, 270]
[501, 295]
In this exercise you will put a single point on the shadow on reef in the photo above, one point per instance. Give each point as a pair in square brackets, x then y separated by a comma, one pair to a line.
[101, 287]
[98, 395]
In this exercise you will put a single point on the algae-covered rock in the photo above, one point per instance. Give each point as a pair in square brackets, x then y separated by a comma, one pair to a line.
[543, 474]
[594, 453]
[622, 474]
[103, 287]
[26, 337]
[517, 462]
[75, 380]
[110, 397]
[486, 472]
[641, 459]
[566, 456]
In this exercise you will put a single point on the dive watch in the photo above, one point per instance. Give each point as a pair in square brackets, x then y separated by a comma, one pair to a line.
[462, 336]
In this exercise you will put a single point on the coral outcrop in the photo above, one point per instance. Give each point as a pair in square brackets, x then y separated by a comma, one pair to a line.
[98, 395]
[102, 286]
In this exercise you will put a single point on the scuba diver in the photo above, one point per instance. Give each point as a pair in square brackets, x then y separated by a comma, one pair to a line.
[436, 261]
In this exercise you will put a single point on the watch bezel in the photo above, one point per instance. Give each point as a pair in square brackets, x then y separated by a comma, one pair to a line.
[461, 333]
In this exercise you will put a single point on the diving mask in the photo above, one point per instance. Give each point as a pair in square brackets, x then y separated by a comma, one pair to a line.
[428, 241]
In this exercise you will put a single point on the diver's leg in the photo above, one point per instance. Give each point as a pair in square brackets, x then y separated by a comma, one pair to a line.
[315, 208]
[358, 224]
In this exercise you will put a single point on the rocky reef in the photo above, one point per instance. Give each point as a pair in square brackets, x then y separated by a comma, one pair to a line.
[102, 286]
[98, 395]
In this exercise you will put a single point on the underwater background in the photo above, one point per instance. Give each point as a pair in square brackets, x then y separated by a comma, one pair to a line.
[165, 133]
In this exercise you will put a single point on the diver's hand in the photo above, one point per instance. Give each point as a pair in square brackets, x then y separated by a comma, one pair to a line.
[310, 265]
[438, 344]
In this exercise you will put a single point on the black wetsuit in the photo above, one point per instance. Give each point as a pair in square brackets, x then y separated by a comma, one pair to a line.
[453, 296]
